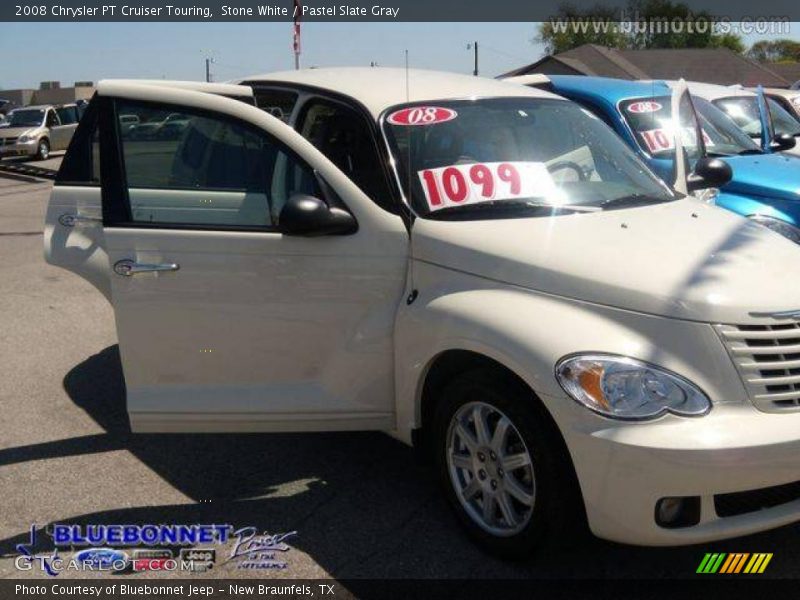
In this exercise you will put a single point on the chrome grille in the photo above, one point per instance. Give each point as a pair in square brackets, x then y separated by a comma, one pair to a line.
[768, 360]
[8, 141]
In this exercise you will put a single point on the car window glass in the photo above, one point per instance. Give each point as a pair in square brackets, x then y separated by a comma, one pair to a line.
[195, 168]
[68, 115]
[26, 117]
[494, 157]
[651, 120]
[278, 103]
[343, 136]
[81, 163]
[52, 119]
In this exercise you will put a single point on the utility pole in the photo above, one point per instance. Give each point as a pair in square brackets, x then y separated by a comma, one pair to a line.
[298, 11]
[474, 46]
[209, 62]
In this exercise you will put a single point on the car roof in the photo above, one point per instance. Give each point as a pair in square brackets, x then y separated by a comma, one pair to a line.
[608, 88]
[712, 91]
[780, 92]
[378, 88]
[35, 107]
[227, 89]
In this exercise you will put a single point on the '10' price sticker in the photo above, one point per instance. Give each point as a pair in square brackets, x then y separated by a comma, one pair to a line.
[662, 139]
[458, 185]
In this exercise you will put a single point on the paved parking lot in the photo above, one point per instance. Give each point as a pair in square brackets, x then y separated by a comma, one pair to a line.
[361, 505]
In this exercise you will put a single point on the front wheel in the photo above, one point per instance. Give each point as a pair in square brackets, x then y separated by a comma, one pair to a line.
[43, 151]
[502, 466]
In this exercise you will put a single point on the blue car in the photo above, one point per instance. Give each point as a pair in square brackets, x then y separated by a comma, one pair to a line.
[764, 187]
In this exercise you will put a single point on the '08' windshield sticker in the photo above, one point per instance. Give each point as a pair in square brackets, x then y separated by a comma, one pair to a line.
[458, 185]
[422, 115]
[644, 106]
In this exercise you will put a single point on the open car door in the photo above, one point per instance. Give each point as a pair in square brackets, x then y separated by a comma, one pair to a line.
[767, 125]
[688, 133]
[226, 320]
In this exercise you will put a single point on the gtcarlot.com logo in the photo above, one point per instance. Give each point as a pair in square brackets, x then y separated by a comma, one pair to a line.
[734, 563]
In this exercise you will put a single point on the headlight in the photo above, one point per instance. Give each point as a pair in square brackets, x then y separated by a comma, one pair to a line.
[25, 138]
[625, 388]
[796, 101]
[787, 230]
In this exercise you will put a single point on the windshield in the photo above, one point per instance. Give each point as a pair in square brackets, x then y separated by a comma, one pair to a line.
[744, 112]
[26, 118]
[651, 120]
[510, 157]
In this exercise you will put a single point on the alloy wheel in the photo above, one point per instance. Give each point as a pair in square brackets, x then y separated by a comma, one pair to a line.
[491, 469]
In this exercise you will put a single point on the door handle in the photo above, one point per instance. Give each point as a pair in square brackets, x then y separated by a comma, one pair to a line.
[68, 220]
[128, 268]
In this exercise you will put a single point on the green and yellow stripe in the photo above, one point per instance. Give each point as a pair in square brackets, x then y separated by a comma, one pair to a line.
[733, 563]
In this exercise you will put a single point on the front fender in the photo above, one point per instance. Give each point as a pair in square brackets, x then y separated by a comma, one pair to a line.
[529, 332]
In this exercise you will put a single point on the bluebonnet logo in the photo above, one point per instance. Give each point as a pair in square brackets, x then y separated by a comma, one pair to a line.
[104, 540]
[139, 535]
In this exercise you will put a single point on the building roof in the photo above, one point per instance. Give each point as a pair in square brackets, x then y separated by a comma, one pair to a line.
[712, 65]
[789, 71]
[378, 88]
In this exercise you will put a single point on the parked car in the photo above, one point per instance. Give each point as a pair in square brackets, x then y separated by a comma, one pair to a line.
[764, 187]
[788, 99]
[742, 107]
[483, 270]
[34, 131]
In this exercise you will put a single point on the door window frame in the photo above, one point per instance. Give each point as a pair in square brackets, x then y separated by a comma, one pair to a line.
[308, 94]
[115, 197]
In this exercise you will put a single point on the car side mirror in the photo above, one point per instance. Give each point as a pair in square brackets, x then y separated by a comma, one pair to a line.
[309, 216]
[709, 173]
[783, 141]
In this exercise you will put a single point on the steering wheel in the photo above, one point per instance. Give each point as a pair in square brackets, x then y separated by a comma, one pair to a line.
[568, 164]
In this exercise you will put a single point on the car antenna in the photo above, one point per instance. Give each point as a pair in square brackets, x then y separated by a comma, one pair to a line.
[413, 293]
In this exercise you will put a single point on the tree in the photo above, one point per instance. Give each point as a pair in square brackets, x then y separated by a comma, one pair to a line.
[644, 24]
[775, 51]
[731, 41]
[595, 25]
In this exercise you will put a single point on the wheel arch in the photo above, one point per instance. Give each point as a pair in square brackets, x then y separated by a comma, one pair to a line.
[443, 367]
[446, 365]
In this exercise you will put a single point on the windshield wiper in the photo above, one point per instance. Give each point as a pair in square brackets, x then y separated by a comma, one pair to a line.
[514, 205]
[630, 200]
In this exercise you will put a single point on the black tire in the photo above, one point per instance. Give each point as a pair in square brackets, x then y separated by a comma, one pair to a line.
[43, 149]
[557, 514]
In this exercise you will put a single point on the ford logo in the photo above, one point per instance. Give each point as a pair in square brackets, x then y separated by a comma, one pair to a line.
[102, 559]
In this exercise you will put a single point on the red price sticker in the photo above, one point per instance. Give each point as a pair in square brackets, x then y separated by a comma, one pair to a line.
[422, 115]
[458, 185]
[662, 139]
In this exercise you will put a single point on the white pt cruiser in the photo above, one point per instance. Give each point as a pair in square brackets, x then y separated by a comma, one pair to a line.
[480, 269]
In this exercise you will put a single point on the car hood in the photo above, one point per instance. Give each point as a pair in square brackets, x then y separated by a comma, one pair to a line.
[771, 175]
[6, 132]
[683, 259]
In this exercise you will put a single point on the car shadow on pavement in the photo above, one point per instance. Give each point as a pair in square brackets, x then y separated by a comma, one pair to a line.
[361, 503]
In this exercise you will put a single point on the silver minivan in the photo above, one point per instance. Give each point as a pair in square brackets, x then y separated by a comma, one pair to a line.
[34, 131]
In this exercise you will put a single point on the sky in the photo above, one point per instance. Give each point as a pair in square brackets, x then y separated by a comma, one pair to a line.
[69, 52]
